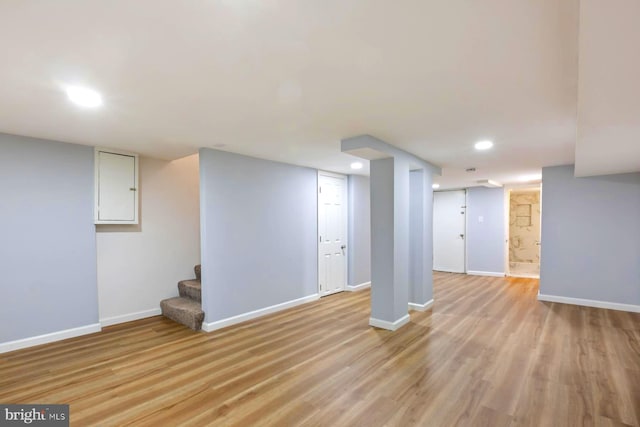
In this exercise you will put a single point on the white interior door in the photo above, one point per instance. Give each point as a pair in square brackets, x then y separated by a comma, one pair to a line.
[449, 224]
[332, 232]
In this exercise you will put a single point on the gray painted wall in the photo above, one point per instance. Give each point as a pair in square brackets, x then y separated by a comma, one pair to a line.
[401, 237]
[48, 278]
[590, 236]
[359, 230]
[258, 233]
[485, 240]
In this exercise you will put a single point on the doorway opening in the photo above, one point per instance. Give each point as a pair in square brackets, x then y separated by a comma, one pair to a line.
[523, 232]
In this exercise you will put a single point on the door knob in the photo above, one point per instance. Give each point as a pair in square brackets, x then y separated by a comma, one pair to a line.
[462, 236]
[343, 247]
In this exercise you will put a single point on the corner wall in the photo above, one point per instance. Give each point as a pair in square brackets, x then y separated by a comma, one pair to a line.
[47, 244]
[140, 265]
[485, 231]
[359, 231]
[258, 234]
[590, 239]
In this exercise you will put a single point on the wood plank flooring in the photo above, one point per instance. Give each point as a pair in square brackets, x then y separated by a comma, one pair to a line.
[488, 354]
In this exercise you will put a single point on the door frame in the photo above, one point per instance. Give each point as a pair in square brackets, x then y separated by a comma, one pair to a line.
[507, 215]
[345, 219]
[466, 230]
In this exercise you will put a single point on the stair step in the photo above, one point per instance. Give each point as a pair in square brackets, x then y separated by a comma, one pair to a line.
[198, 269]
[183, 310]
[190, 289]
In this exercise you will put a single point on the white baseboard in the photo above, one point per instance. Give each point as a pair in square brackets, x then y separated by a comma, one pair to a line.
[525, 276]
[361, 286]
[114, 320]
[421, 307]
[391, 326]
[486, 273]
[219, 324]
[590, 303]
[48, 338]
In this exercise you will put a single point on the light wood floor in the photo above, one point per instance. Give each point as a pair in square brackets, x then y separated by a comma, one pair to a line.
[488, 354]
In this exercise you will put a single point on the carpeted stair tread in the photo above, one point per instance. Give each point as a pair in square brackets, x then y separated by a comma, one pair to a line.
[183, 310]
[198, 269]
[190, 289]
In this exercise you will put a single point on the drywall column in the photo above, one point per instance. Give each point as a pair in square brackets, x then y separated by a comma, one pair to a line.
[421, 240]
[390, 229]
[389, 243]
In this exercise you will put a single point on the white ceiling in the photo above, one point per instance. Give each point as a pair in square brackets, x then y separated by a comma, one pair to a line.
[287, 80]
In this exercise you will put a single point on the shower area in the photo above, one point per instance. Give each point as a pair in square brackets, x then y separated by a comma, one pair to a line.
[524, 232]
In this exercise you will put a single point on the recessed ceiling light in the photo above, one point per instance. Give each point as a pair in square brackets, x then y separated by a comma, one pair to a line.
[528, 178]
[84, 97]
[483, 145]
[436, 185]
[356, 165]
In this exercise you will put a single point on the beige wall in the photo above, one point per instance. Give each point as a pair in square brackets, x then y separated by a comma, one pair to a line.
[140, 265]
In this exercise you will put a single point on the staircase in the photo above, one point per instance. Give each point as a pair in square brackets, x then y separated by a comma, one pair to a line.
[187, 308]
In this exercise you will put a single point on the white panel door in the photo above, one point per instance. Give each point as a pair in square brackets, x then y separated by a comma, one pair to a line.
[449, 212]
[332, 233]
[116, 188]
